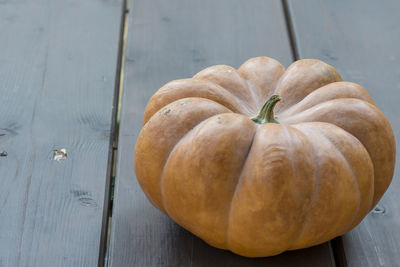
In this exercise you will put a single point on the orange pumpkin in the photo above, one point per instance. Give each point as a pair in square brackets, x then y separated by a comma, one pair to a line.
[224, 159]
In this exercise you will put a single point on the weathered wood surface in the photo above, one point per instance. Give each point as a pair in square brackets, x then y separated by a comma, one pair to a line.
[361, 39]
[57, 68]
[175, 39]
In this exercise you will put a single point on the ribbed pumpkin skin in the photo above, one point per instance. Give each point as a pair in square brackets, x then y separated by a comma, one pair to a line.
[261, 189]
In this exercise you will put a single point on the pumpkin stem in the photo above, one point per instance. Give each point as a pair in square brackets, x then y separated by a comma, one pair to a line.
[266, 114]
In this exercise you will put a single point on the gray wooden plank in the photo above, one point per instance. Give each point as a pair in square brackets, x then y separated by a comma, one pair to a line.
[361, 39]
[58, 62]
[175, 39]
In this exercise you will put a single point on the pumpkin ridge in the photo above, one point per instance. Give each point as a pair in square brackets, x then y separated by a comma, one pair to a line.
[320, 104]
[356, 177]
[311, 129]
[236, 186]
[291, 153]
[149, 109]
[250, 87]
[256, 69]
[169, 156]
[295, 84]
[345, 160]
[313, 193]
[240, 96]
[324, 102]
[180, 99]
[355, 91]
[241, 102]
[247, 82]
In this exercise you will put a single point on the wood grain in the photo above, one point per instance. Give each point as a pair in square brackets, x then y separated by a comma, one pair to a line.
[361, 39]
[167, 41]
[57, 68]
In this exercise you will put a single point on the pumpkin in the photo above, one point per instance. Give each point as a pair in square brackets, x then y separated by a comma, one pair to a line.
[260, 160]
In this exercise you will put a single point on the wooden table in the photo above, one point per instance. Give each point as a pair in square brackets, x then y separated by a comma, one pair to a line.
[66, 79]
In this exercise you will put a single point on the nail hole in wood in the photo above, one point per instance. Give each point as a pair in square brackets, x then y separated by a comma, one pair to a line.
[379, 209]
[60, 155]
[87, 201]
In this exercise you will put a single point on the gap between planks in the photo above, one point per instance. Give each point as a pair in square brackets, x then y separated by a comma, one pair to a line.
[114, 132]
[290, 30]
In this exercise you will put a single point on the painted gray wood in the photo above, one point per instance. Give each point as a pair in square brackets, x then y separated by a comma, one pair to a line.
[361, 39]
[174, 39]
[57, 68]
